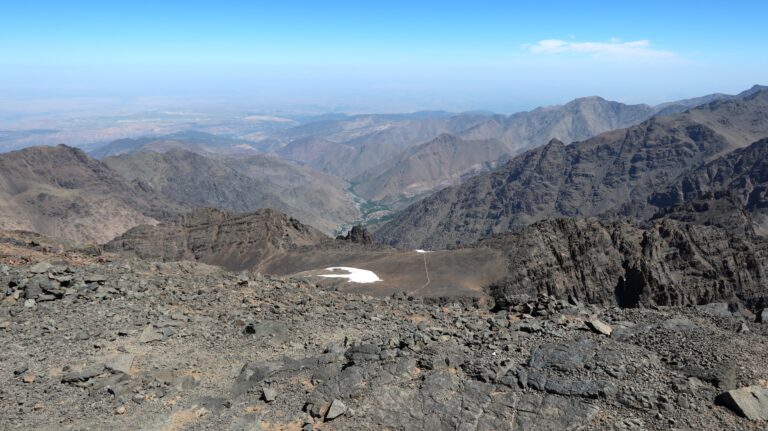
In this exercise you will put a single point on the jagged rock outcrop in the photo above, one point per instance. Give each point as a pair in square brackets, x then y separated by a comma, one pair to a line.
[681, 264]
[357, 235]
[234, 241]
[559, 257]
[669, 263]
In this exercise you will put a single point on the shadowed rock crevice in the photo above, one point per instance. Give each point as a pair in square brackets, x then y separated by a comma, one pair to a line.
[630, 288]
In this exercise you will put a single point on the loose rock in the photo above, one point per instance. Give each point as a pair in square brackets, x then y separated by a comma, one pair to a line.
[750, 402]
[600, 327]
[337, 409]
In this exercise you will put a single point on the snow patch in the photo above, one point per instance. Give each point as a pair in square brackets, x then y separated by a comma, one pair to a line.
[245, 147]
[355, 275]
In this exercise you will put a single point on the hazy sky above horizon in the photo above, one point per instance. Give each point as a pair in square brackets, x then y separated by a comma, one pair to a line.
[385, 56]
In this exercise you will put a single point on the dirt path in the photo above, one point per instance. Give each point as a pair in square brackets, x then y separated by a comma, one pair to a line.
[426, 272]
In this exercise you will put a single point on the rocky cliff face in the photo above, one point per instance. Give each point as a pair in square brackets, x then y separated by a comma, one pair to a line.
[721, 209]
[669, 263]
[218, 237]
[562, 257]
[682, 264]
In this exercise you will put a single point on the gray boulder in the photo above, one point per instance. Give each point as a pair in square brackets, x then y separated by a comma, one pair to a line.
[750, 402]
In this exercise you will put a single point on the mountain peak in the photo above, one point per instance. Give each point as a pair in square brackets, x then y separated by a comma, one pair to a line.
[554, 142]
[445, 137]
[586, 99]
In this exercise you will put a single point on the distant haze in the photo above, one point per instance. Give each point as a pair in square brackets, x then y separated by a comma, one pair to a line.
[391, 56]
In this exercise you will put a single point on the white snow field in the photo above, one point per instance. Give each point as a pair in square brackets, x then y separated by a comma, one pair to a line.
[355, 275]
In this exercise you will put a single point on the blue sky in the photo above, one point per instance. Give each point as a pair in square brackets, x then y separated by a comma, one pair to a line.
[383, 55]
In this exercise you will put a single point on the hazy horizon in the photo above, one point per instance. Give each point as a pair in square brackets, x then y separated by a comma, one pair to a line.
[349, 57]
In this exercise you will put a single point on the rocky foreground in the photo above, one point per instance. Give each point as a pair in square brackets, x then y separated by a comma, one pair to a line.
[108, 342]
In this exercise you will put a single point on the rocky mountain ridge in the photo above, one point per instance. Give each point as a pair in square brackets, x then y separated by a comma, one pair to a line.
[443, 161]
[239, 184]
[61, 191]
[217, 237]
[590, 178]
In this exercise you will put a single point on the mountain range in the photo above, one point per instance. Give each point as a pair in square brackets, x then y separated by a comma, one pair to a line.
[616, 282]
[334, 171]
[395, 160]
[589, 178]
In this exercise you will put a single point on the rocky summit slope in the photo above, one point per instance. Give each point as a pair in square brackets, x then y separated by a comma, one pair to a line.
[218, 237]
[110, 342]
[61, 191]
[590, 178]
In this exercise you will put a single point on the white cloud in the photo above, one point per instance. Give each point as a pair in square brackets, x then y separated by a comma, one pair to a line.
[612, 48]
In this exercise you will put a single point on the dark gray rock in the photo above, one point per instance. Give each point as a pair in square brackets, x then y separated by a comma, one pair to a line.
[565, 356]
[84, 375]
